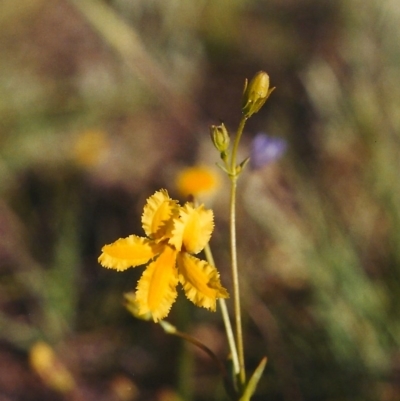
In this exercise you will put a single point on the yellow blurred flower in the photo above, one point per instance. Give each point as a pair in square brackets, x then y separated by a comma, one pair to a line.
[168, 395]
[52, 371]
[174, 234]
[89, 147]
[201, 182]
[124, 389]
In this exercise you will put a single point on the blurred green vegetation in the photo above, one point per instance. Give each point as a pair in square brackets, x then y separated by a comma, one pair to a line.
[102, 102]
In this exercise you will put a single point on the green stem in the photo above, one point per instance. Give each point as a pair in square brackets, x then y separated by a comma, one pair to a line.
[236, 144]
[235, 281]
[235, 273]
[170, 329]
[225, 318]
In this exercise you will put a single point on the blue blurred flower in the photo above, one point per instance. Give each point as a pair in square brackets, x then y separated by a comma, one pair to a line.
[265, 149]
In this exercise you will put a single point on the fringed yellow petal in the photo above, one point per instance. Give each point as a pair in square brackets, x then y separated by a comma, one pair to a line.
[192, 229]
[200, 281]
[156, 289]
[128, 252]
[157, 213]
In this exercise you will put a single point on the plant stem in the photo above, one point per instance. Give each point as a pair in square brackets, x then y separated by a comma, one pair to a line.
[236, 146]
[170, 329]
[234, 265]
[235, 282]
[225, 318]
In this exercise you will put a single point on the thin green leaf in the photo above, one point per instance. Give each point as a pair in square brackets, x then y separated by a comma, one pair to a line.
[255, 378]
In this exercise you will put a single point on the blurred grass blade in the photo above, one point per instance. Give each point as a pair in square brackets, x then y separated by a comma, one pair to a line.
[255, 378]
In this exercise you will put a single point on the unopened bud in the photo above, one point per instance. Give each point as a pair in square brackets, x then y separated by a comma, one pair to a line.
[133, 307]
[256, 92]
[220, 137]
[168, 327]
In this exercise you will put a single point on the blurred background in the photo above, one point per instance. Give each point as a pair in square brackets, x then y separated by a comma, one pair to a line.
[104, 102]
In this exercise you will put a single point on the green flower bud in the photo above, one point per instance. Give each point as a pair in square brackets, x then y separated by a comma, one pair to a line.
[133, 307]
[255, 93]
[220, 137]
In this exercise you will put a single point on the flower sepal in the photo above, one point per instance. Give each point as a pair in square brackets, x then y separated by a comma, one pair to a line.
[132, 306]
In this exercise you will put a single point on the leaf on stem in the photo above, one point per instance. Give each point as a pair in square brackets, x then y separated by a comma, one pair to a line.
[255, 378]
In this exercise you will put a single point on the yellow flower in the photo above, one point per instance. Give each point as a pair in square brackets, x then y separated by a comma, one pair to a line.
[201, 182]
[50, 368]
[90, 147]
[174, 234]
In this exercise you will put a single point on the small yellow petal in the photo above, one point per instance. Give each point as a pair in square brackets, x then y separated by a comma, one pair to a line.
[156, 289]
[128, 252]
[192, 230]
[157, 213]
[200, 281]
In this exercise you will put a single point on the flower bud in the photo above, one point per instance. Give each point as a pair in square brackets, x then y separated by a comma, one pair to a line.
[256, 92]
[133, 307]
[220, 137]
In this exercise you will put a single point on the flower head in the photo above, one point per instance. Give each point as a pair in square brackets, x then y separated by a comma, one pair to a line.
[266, 149]
[90, 148]
[202, 182]
[174, 234]
[45, 362]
